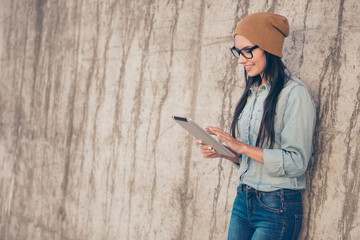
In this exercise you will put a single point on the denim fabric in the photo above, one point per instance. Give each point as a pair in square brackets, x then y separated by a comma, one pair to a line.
[285, 164]
[259, 215]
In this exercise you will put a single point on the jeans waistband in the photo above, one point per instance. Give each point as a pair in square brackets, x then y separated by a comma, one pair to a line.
[282, 191]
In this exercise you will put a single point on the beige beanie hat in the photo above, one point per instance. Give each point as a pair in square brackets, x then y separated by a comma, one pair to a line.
[267, 30]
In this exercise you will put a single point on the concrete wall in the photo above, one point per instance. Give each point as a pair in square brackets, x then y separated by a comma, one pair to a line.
[88, 149]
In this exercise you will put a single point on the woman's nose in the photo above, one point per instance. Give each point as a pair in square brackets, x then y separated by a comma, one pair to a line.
[241, 59]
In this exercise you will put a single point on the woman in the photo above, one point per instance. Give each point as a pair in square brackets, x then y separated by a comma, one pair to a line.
[271, 132]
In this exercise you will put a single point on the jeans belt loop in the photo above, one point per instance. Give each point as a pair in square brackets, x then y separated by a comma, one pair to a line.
[282, 194]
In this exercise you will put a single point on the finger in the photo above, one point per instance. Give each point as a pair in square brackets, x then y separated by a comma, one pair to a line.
[207, 152]
[211, 155]
[217, 130]
[222, 135]
[198, 141]
[208, 130]
[206, 147]
[213, 128]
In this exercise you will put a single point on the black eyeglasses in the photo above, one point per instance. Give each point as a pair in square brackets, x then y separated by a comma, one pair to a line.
[246, 52]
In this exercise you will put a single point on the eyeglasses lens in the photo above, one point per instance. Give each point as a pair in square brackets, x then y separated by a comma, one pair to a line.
[245, 52]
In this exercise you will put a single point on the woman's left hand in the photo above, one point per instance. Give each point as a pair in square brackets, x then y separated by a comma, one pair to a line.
[231, 142]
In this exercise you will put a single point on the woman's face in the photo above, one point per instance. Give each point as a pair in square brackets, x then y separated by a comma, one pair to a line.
[256, 65]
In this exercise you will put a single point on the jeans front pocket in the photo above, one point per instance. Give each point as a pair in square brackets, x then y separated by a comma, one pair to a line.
[270, 202]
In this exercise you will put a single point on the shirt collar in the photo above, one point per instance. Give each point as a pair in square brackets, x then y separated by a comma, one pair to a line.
[262, 88]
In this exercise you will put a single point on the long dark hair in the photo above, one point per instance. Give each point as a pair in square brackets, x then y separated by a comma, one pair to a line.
[275, 73]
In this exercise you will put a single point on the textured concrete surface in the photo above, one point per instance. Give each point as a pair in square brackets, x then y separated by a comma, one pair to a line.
[87, 146]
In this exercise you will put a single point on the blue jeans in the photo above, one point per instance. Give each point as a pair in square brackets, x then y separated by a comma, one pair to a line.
[266, 215]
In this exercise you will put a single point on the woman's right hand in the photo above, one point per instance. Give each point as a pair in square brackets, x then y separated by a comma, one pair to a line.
[207, 151]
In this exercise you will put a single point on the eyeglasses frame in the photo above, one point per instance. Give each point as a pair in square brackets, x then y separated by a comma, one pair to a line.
[241, 53]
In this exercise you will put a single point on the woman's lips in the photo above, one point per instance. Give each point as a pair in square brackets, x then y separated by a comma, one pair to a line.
[249, 67]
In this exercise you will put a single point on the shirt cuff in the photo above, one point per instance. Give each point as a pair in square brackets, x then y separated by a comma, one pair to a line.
[273, 162]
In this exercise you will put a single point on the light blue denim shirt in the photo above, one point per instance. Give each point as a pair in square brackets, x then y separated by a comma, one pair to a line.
[285, 164]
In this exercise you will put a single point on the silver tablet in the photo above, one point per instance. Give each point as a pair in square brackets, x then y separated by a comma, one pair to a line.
[200, 133]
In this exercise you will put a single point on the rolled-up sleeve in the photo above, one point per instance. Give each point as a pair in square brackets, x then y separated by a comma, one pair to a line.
[292, 158]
